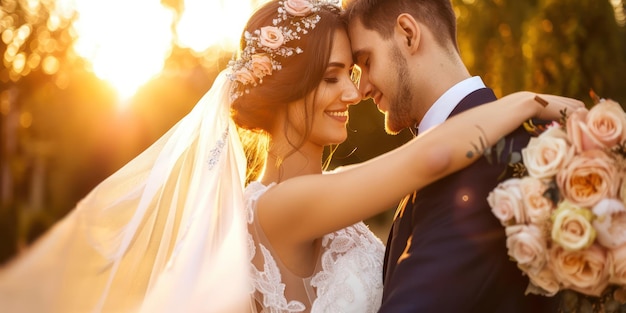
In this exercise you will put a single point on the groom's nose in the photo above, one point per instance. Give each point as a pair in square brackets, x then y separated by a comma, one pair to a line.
[365, 87]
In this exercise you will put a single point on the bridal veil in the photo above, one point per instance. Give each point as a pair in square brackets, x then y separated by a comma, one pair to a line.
[165, 233]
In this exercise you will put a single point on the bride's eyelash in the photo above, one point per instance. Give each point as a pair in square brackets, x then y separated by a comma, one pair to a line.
[331, 80]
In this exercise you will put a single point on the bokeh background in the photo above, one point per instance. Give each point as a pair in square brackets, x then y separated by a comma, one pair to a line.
[86, 85]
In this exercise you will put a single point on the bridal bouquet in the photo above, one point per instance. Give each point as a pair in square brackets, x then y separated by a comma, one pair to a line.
[565, 218]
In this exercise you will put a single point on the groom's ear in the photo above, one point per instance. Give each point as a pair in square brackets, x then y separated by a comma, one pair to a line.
[408, 31]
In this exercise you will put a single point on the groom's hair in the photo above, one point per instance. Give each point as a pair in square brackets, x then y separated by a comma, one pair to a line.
[380, 16]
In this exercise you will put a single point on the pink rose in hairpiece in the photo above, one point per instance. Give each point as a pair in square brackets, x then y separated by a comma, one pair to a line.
[261, 65]
[271, 37]
[244, 76]
[298, 7]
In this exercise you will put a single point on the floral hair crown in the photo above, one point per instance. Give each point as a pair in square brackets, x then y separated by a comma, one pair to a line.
[262, 46]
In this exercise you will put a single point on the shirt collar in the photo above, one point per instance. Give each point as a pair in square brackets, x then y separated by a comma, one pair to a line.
[441, 109]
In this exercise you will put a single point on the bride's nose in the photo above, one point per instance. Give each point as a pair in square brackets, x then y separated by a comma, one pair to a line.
[350, 94]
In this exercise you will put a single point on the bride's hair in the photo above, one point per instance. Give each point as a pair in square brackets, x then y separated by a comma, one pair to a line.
[300, 74]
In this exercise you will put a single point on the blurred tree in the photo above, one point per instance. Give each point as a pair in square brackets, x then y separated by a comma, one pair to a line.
[35, 36]
[573, 46]
[490, 35]
[565, 47]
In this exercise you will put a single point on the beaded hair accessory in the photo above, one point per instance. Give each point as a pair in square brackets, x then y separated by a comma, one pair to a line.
[262, 46]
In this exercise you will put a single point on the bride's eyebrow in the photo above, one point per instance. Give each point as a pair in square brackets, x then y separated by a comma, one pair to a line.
[336, 64]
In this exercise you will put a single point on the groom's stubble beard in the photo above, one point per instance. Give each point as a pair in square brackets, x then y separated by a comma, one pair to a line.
[398, 116]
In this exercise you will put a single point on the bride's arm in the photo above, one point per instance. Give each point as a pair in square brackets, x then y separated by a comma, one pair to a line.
[307, 207]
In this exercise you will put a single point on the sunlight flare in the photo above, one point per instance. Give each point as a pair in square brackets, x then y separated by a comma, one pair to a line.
[205, 24]
[126, 42]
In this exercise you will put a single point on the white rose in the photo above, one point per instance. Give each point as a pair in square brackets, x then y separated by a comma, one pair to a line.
[538, 208]
[527, 246]
[610, 222]
[571, 227]
[506, 202]
[546, 154]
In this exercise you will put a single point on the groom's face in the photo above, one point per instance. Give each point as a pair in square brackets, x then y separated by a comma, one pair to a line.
[385, 77]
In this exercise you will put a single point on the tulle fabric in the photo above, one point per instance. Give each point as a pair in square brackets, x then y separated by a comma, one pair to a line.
[165, 233]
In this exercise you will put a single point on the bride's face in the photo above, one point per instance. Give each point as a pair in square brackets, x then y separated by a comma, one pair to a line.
[332, 97]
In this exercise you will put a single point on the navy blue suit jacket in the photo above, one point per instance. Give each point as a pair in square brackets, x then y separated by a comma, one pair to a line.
[447, 252]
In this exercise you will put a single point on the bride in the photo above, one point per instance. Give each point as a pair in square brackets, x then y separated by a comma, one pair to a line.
[179, 229]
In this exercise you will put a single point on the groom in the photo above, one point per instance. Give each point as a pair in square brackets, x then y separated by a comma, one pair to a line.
[446, 251]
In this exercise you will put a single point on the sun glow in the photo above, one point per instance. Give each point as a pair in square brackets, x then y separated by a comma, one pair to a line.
[204, 24]
[127, 42]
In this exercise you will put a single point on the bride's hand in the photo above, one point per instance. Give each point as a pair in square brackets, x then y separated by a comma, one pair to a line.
[551, 107]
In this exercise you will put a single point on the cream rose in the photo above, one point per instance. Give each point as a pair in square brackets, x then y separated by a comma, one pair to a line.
[546, 280]
[244, 76]
[298, 7]
[546, 154]
[527, 246]
[571, 227]
[261, 65]
[585, 271]
[603, 126]
[588, 178]
[617, 261]
[537, 208]
[610, 222]
[506, 202]
[271, 37]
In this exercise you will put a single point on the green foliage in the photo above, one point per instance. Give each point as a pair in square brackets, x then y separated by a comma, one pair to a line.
[576, 46]
[566, 47]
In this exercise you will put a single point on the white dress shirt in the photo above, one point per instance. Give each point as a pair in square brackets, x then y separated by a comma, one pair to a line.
[442, 108]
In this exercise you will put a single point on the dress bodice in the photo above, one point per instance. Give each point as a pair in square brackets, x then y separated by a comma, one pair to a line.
[347, 277]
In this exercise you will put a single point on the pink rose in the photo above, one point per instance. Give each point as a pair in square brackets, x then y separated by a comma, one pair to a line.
[244, 76]
[546, 154]
[506, 202]
[588, 178]
[617, 259]
[298, 7]
[603, 126]
[622, 190]
[610, 222]
[546, 280]
[585, 271]
[571, 227]
[527, 246]
[271, 37]
[538, 208]
[261, 65]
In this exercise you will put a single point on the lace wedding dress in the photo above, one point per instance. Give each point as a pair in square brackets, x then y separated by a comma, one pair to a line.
[347, 277]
